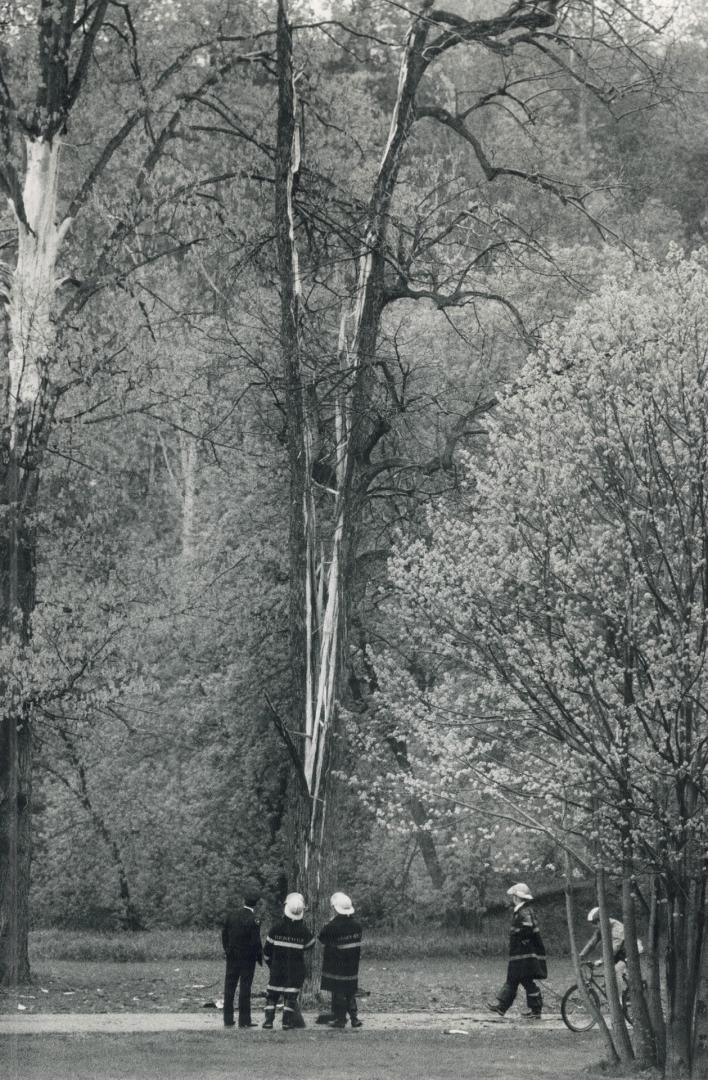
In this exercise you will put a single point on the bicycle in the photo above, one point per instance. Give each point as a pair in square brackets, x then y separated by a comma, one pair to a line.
[574, 1010]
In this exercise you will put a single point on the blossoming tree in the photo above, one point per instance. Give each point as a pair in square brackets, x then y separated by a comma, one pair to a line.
[564, 602]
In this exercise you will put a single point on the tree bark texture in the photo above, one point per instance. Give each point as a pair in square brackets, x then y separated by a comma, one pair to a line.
[620, 1034]
[653, 973]
[645, 1040]
[27, 412]
[313, 647]
[700, 1046]
[28, 409]
[590, 1002]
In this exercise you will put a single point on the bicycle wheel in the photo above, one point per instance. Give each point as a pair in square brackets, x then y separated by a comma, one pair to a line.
[576, 1014]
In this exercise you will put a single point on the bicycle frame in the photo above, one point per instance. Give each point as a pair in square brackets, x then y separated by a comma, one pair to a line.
[574, 1009]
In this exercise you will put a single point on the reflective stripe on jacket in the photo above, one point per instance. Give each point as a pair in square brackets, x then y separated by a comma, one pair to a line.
[284, 951]
[527, 953]
[341, 938]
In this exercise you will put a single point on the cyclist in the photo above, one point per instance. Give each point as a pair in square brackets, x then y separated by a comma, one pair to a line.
[618, 952]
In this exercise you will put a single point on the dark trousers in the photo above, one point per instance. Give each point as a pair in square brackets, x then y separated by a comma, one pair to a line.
[508, 991]
[238, 973]
[291, 1012]
[343, 1004]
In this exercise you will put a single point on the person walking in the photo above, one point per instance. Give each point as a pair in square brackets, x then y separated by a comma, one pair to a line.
[284, 952]
[527, 956]
[241, 939]
[341, 938]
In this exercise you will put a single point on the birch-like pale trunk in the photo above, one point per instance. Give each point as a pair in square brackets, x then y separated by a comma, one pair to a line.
[33, 289]
[27, 412]
[64, 44]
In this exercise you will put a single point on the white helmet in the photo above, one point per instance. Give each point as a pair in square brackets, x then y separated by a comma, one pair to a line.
[341, 903]
[593, 914]
[520, 890]
[294, 906]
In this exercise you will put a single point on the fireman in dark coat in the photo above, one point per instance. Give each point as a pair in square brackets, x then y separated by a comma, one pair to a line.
[527, 956]
[341, 938]
[241, 938]
[285, 948]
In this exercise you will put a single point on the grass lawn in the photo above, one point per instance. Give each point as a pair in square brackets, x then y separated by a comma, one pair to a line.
[174, 985]
[168, 984]
[491, 1054]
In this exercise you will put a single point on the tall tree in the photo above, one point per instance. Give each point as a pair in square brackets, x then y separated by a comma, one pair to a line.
[65, 44]
[47, 196]
[391, 260]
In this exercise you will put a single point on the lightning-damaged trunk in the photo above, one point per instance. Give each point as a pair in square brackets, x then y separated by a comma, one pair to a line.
[324, 527]
[314, 566]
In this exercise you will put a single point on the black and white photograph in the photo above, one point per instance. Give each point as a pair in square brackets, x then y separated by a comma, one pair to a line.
[353, 539]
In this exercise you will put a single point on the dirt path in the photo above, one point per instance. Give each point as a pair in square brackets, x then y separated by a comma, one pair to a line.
[452, 1021]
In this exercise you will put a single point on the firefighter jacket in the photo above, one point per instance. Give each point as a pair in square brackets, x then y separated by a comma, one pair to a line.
[527, 954]
[284, 952]
[341, 938]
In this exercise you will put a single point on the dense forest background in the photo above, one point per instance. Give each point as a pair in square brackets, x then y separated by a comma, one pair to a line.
[158, 662]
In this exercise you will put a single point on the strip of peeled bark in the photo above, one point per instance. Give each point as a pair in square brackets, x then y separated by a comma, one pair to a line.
[309, 649]
[33, 289]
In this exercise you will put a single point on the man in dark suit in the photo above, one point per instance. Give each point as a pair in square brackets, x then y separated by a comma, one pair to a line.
[241, 938]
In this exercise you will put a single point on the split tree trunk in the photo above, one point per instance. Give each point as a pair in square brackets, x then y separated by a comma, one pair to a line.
[313, 654]
[322, 544]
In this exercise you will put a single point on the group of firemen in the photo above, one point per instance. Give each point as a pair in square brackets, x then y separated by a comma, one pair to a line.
[284, 953]
[290, 938]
